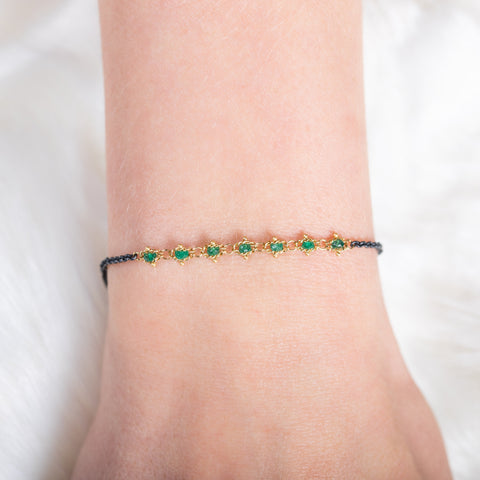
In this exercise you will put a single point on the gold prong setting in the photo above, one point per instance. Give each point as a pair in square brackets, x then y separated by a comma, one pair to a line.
[181, 254]
[276, 246]
[245, 248]
[149, 255]
[337, 244]
[307, 244]
[213, 250]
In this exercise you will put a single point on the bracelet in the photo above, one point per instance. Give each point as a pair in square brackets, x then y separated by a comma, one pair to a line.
[245, 248]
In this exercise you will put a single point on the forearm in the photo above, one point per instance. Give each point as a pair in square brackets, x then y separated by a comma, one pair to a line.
[227, 117]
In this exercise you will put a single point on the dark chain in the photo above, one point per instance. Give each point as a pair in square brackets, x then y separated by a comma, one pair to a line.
[110, 260]
[376, 245]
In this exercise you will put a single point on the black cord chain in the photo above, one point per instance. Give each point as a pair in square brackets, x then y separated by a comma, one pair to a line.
[110, 260]
[377, 245]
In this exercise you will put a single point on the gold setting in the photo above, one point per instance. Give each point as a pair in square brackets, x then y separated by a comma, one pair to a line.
[149, 251]
[307, 239]
[181, 248]
[338, 250]
[275, 240]
[238, 247]
[212, 244]
[335, 243]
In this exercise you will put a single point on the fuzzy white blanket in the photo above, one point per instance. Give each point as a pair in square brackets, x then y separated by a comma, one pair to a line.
[422, 69]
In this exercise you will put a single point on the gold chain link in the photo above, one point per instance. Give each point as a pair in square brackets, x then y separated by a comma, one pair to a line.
[245, 248]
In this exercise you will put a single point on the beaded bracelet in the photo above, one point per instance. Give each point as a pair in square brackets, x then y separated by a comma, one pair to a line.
[245, 248]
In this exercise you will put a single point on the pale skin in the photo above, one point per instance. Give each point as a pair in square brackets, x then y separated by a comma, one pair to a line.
[226, 119]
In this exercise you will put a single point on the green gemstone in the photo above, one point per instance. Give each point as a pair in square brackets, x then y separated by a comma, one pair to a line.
[149, 256]
[337, 244]
[244, 248]
[212, 251]
[276, 247]
[308, 244]
[181, 254]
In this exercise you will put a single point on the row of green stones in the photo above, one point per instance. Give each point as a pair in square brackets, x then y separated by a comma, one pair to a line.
[307, 245]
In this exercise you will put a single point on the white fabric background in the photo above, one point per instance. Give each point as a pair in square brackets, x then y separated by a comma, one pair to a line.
[422, 69]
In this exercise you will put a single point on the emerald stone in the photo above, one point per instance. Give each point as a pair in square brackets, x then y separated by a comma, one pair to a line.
[276, 247]
[149, 256]
[212, 251]
[181, 254]
[337, 243]
[244, 248]
[308, 244]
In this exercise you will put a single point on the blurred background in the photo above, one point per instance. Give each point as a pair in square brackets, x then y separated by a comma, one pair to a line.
[422, 81]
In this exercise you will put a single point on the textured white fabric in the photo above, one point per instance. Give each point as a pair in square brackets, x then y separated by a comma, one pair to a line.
[422, 70]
